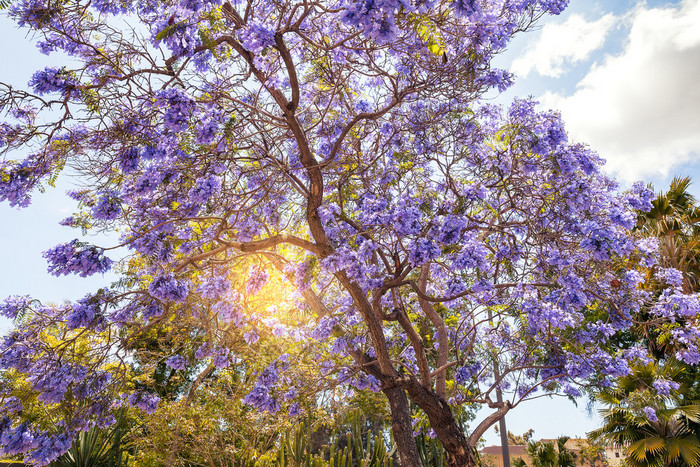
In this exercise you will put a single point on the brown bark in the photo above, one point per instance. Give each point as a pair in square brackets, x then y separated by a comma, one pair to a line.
[401, 427]
[459, 452]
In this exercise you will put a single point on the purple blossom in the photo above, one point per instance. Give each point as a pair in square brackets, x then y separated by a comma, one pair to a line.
[422, 251]
[673, 277]
[554, 7]
[268, 377]
[221, 358]
[251, 337]
[257, 36]
[86, 311]
[650, 414]
[202, 352]
[76, 257]
[205, 188]
[214, 287]
[52, 79]
[14, 305]
[129, 159]
[176, 362]
[466, 7]
[179, 107]
[257, 278]
[144, 401]
[260, 398]
[664, 387]
[639, 197]
[294, 410]
[107, 207]
[206, 131]
[166, 288]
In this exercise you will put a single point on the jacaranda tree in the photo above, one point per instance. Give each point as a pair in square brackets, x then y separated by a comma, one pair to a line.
[447, 248]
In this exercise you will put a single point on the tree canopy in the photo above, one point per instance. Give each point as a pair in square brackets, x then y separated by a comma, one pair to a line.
[446, 248]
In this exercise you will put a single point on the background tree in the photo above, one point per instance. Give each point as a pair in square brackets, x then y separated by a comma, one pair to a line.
[520, 440]
[593, 453]
[675, 220]
[648, 414]
[448, 249]
[664, 385]
[549, 454]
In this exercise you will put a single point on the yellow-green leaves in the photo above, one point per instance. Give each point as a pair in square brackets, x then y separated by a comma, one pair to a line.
[428, 31]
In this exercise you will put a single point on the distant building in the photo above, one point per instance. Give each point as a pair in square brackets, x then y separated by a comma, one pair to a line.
[492, 456]
[614, 455]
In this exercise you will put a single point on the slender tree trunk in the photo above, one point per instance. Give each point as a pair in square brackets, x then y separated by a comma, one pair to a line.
[401, 427]
[505, 449]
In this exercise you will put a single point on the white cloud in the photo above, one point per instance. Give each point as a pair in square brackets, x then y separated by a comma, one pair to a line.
[641, 109]
[570, 42]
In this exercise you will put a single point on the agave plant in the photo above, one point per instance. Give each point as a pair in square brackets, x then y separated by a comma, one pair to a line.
[359, 450]
[97, 447]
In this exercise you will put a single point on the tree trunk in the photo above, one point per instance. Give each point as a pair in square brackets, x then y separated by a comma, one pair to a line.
[442, 421]
[401, 427]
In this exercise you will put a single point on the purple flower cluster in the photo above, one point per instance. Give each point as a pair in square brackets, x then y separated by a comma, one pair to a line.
[650, 414]
[129, 159]
[166, 288]
[179, 107]
[176, 362]
[664, 387]
[76, 257]
[257, 36]
[40, 447]
[86, 311]
[204, 189]
[144, 401]
[221, 358]
[18, 180]
[260, 398]
[107, 207]
[15, 304]
[423, 250]
[466, 7]
[206, 131]
[257, 278]
[214, 287]
[52, 79]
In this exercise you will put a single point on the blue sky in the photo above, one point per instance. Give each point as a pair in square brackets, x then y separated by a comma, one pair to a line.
[625, 74]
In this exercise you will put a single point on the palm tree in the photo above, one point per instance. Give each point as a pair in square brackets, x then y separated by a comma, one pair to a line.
[545, 454]
[542, 454]
[675, 220]
[655, 430]
[565, 458]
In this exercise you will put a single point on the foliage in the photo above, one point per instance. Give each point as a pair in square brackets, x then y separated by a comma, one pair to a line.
[97, 447]
[675, 220]
[592, 452]
[649, 415]
[652, 411]
[548, 454]
[520, 440]
[325, 163]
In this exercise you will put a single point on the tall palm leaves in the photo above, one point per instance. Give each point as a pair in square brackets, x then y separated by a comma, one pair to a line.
[565, 458]
[675, 221]
[544, 454]
[655, 427]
